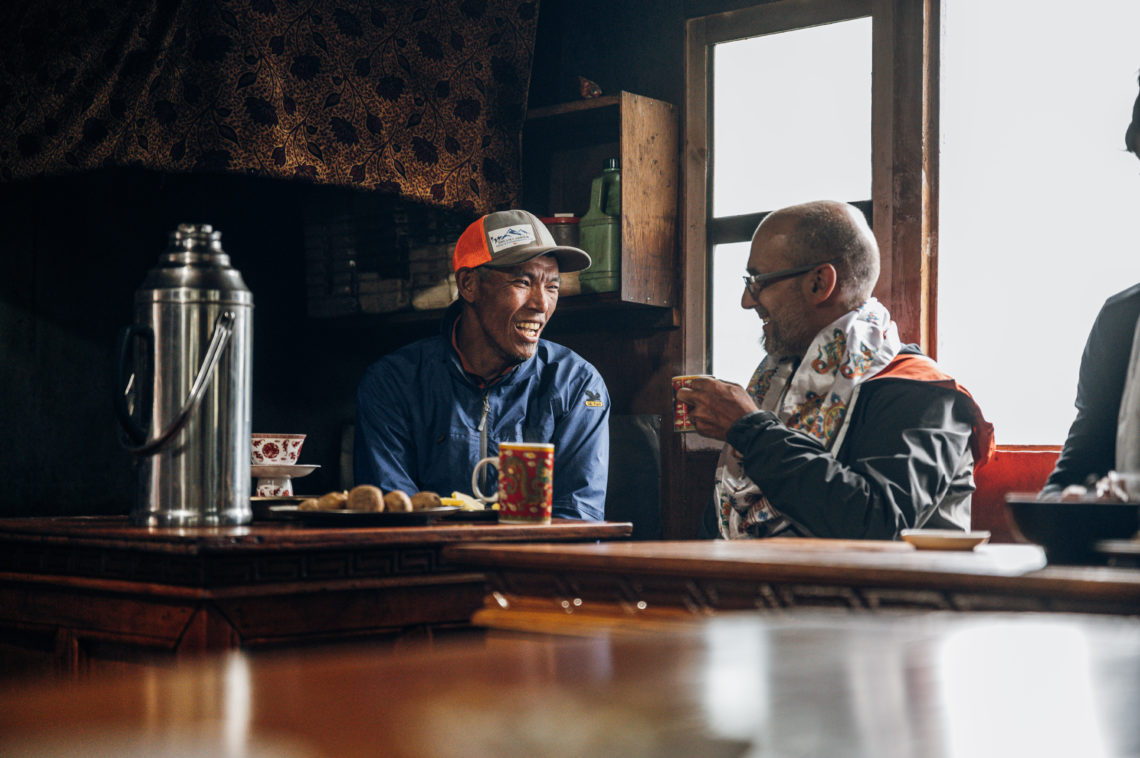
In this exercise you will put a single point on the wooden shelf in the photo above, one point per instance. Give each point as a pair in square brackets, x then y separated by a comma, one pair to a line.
[578, 106]
[566, 145]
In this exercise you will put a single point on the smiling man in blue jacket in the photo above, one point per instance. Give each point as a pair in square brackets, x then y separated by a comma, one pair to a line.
[428, 412]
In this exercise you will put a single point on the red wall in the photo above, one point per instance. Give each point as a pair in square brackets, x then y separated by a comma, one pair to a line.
[1011, 470]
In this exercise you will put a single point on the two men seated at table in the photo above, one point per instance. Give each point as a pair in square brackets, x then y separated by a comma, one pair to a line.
[429, 411]
[1105, 435]
[843, 431]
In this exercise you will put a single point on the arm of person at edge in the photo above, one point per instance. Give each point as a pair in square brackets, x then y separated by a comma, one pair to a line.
[383, 451]
[1090, 447]
[896, 475]
[582, 453]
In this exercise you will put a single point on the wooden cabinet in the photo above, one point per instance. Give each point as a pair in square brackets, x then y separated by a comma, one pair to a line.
[565, 146]
[95, 593]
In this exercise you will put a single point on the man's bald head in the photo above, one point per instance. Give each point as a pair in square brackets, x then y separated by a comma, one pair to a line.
[826, 230]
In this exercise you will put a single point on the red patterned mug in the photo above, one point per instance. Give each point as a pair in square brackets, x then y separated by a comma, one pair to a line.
[681, 420]
[526, 481]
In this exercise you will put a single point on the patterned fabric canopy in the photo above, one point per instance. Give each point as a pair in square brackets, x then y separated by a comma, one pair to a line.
[425, 99]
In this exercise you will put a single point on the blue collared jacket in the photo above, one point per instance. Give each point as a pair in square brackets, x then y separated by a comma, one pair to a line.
[422, 422]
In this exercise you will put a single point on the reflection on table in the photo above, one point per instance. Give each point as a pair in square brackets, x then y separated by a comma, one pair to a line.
[806, 683]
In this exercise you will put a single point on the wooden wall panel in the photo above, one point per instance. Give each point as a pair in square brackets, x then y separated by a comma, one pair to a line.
[904, 160]
[649, 130]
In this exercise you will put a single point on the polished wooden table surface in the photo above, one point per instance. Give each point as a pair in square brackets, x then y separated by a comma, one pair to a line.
[552, 586]
[75, 592]
[116, 531]
[819, 684]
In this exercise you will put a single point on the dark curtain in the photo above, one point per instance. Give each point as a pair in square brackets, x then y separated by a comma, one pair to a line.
[424, 98]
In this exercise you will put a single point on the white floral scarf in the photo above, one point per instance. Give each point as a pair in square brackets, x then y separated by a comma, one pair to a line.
[811, 395]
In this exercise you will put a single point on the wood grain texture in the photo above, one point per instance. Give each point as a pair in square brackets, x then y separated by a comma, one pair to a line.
[649, 155]
[905, 139]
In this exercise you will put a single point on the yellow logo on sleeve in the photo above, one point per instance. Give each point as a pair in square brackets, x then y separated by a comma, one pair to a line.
[594, 399]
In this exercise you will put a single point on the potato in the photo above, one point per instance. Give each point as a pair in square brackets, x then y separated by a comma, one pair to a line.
[397, 501]
[332, 501]
[365, 497]
[422, 501]
[308, 505]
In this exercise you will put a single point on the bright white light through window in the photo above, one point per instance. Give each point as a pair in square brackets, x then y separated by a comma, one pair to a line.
[792, 118]
[1036, 201]
[736, 346]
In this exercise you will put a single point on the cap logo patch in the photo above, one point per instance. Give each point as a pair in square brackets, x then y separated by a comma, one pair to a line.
[511, 236]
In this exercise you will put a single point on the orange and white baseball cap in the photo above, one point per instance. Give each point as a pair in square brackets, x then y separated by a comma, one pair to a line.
[507, 238]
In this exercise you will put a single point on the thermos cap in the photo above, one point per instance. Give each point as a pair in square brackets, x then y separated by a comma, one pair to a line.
[194, 268]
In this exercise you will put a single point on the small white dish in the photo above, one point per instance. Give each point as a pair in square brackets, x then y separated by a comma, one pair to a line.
[944, 539]
[281, 470]
[276, 479]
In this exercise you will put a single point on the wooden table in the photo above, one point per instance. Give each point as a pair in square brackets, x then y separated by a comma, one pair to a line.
[801, 684]
[558, 587]
[77, 592]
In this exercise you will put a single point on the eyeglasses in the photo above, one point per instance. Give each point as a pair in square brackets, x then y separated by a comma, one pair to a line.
[755, 283]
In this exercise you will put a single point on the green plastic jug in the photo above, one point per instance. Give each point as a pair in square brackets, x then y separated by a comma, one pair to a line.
[600, 231]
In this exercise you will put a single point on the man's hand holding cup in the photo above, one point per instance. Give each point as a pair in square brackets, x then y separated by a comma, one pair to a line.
[714, 405]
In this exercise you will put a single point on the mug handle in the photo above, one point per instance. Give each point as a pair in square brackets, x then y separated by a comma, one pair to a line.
[475, 480]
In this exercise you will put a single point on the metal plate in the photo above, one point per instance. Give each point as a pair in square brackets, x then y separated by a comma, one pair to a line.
[341, 518]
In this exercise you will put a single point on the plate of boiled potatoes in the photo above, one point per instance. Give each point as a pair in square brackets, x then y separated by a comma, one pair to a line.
[367, 505]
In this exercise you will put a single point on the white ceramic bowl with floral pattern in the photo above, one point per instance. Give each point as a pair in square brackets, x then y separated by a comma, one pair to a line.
[276, 448]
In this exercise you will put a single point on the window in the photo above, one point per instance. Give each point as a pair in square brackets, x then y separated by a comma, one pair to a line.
[754, 143]
[1036, 199]
[791, 115]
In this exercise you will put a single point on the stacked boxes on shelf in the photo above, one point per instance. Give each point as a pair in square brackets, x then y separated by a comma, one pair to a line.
[330, 267]
[433, 281]
[382, 285]
[378, 254]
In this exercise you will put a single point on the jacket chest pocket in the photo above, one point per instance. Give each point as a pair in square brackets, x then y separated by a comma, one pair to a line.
[534, 423]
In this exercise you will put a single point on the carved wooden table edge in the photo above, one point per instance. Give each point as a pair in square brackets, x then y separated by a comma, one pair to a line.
[65, 585]
[261, 553]
[545, 585]
[180, 592]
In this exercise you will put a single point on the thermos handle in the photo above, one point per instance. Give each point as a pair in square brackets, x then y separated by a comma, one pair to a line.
[133, 429]
[223, 330]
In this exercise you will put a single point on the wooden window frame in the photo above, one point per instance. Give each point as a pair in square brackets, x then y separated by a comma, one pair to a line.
[904, 155]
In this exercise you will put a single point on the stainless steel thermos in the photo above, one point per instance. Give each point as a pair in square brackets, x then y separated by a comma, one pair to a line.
[186, 405]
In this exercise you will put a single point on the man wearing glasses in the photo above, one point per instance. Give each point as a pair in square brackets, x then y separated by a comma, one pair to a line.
[843, 431]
